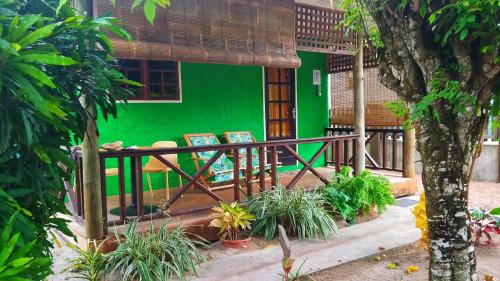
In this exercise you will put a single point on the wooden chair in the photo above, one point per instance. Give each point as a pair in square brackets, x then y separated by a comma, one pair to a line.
[156, 166]
[247, 137]
[221, 171]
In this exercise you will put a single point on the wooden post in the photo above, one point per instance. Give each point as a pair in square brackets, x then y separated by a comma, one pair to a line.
[91, 177]
[409, 152]
[359, 106]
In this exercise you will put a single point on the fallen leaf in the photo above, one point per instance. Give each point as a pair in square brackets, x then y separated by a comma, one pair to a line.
[381, 248]
[488, 277]
[377, 258]
[412, 268]
[392, 265]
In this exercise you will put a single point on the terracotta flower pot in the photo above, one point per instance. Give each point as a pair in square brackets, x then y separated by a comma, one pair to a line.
[236, 244]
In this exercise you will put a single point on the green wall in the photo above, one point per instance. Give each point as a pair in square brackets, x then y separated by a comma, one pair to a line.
[312, 109]
[216, 98]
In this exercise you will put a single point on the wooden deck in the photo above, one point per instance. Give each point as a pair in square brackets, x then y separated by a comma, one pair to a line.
[197, 222]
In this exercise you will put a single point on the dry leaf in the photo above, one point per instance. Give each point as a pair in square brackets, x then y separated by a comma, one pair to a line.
[377, 258]
[488, 277]
[381, 248]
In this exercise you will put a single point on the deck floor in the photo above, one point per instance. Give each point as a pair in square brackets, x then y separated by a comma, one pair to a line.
[195, 199]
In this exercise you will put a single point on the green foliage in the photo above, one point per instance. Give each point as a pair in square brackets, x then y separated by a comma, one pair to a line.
[301, 213]
[468, 20]
[447, 23]
[16, 260]
[231, 219]
[47, 62]
[364, 190]
[149, 7]
[154, 255]
[339, 202]
[444, 90]
[90, 263]
[399, 109]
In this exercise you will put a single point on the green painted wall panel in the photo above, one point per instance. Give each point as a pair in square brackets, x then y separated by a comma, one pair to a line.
[216, 98]
[312, 109]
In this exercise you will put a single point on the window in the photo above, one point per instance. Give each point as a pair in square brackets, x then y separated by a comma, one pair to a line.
[160, 79]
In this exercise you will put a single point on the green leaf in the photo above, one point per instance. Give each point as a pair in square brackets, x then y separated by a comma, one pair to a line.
[35, 73]
[495, 211]
[150, 10]
[20, 262]
[463, 34]
[50, 59]
[8, 248]
[61, 4]
[7, 47]
[42, 154]
[136, 3]
[36, 35]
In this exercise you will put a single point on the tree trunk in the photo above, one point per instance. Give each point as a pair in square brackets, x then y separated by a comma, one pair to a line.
[359, 106]
[446, 170]
[91, 179]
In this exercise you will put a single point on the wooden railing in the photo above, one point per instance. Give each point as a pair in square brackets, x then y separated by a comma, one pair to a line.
[243, 178]
[343, 155]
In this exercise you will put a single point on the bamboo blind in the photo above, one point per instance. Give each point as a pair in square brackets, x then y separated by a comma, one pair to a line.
[248, 32]
[376, 98]
[315, 30]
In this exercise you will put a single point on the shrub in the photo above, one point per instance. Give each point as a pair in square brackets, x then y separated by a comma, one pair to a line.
[231, 219]
[155, 255]
[301, 213]
[339, 203]
[16, 260]
[364, 190]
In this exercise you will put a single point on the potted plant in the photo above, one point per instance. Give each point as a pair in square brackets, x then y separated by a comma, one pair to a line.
[233, 220]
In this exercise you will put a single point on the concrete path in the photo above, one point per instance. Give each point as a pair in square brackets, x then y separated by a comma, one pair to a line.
[395, 228]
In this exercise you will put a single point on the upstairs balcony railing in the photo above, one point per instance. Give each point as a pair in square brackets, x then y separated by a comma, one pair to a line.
[244, 181]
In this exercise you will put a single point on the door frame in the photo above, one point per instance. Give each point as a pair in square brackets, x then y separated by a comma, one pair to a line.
[296, 108]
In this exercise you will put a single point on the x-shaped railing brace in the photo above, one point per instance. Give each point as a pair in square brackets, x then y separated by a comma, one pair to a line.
[192, 180]
[307, 165]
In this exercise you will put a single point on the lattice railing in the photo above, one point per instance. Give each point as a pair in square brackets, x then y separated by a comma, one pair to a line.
[315, 30]
[340, 63]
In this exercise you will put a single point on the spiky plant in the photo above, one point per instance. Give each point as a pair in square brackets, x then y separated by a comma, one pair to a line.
[156, 254]
[90, 262]
[301, 213]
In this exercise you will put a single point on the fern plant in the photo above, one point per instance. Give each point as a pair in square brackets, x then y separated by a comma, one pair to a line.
[155, 255]
[365, 190]
[301, 213]
[339, 203]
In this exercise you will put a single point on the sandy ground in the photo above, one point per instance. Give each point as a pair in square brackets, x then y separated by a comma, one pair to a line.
[373, 269]
[482, 194]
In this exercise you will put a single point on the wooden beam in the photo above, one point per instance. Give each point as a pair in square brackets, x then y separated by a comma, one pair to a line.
[359, 106]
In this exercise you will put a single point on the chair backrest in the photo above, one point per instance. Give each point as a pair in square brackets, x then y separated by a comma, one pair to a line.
[243, 137]
[222, 164]
[172, 158]
[239, 137]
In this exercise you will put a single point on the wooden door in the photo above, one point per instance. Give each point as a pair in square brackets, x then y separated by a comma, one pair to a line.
[281, 109]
